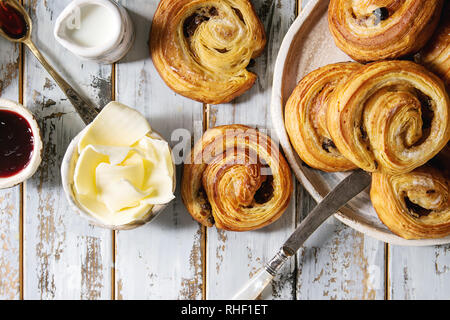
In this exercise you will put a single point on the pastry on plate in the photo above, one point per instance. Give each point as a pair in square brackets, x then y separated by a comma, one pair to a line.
[414, 205]
[305, 117]
[372, 30]
[236, 178]
[390, 117]
[436, 54]
[201, 48]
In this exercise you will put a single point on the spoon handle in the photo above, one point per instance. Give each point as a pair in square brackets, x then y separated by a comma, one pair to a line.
[86, 111]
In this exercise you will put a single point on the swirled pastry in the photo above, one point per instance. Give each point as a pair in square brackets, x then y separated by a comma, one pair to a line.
[305, 117]
[236, 178]
[373, 30]
[436, 54]
[413, 205]
[201, 48]
[390, 117]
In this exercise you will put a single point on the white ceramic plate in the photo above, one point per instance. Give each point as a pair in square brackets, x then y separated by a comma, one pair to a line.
[307, 46]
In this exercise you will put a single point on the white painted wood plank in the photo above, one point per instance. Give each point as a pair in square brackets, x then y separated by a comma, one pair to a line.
[302, 4]
[338, 262]
[65, 258]
[161, 260]
[232, 258]
[10, 199]
[421, 273]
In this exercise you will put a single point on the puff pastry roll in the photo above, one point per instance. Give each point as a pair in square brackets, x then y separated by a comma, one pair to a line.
[373, 30]
[390, 117]
[201, 48]
[305, 117]
[414, 205]
[436, 54]
[236, 178]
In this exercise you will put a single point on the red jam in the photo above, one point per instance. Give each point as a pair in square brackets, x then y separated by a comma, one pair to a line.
[12, 22]
[16, 143]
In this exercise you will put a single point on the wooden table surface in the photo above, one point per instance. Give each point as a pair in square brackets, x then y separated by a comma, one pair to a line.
[48, 252]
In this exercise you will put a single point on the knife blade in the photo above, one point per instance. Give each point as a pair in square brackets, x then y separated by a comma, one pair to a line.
[346, 190]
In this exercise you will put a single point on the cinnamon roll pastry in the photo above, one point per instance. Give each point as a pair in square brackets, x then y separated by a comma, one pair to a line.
[201, 48]
[370, 30]
[390, 117]
[413, 205]
[305, 117]
[436, 54]
[236, 178]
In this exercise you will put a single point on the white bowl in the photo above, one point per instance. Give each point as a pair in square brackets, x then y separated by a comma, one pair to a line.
[36, 156]
[67, 175]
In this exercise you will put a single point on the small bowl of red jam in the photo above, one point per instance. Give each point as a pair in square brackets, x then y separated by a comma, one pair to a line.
[20, 144]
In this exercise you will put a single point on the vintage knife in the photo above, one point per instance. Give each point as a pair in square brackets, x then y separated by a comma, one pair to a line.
[337, 198]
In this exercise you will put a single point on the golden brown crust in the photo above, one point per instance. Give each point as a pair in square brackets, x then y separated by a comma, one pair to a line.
[436, 54]
[414, 205]
[390, 117]
[305, 117]
[237, 178]
[373, 30]
[201, 48]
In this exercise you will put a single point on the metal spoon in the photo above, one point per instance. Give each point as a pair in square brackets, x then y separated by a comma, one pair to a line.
[86, 111]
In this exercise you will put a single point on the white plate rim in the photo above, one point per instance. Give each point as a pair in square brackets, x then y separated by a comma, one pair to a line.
[277, 108]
